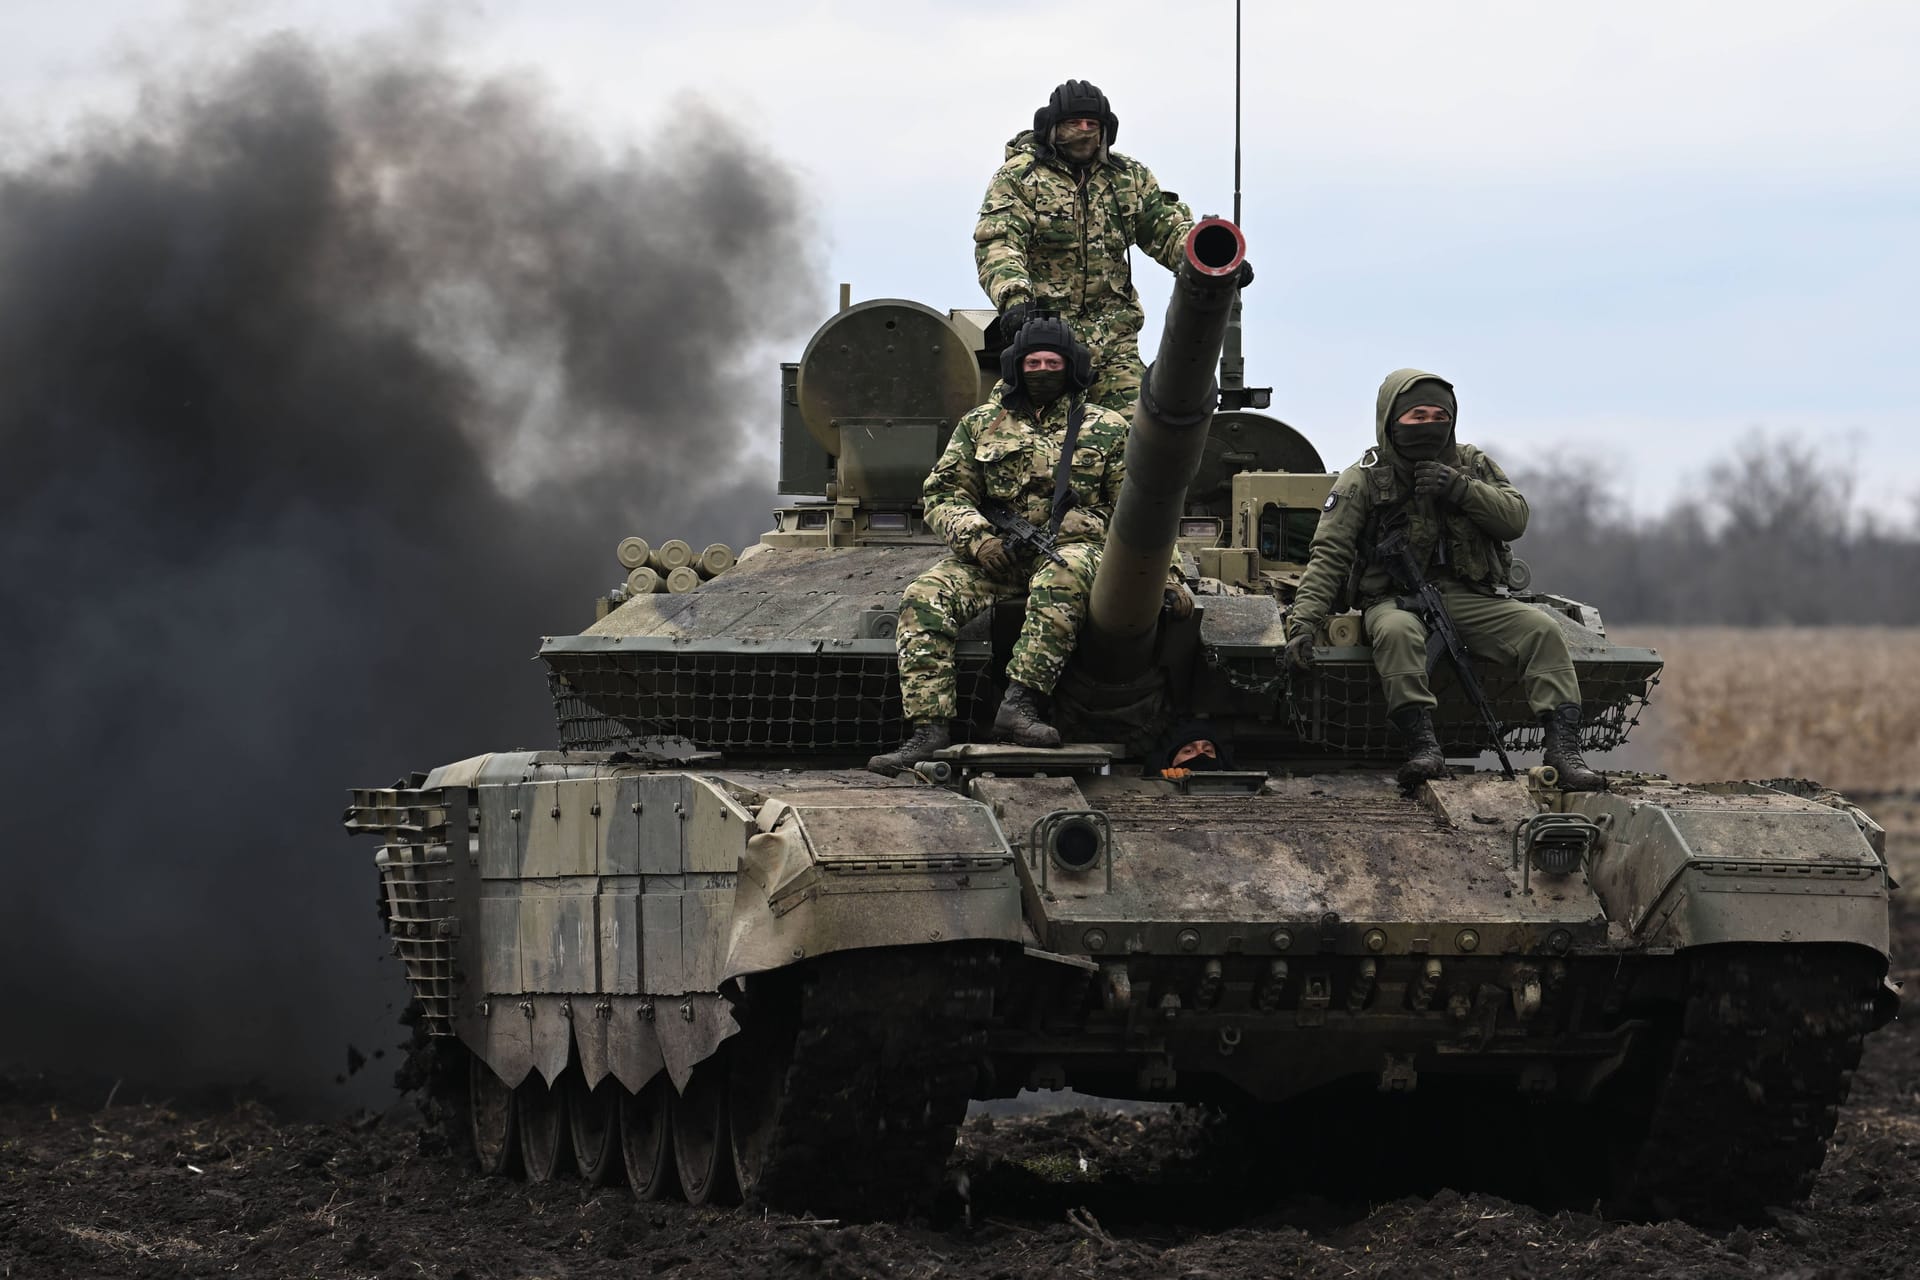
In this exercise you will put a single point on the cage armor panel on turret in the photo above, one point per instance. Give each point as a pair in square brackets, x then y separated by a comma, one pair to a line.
[697, 945]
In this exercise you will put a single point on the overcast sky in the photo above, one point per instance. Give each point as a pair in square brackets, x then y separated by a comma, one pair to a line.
[1636, 231]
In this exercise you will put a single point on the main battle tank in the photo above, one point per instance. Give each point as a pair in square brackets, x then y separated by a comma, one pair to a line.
[698, 945]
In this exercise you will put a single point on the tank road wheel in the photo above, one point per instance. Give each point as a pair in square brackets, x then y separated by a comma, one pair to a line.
[490, 1114]
[543, 1128]
[593, 1121]
[646, 1138]
[701, 1152]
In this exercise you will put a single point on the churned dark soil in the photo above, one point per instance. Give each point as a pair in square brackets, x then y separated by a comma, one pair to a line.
[210, 1187]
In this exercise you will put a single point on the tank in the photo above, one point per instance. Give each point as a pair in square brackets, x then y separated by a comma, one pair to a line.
[695, 946]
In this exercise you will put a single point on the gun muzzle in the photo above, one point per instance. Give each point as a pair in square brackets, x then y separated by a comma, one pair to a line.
[1177, 400]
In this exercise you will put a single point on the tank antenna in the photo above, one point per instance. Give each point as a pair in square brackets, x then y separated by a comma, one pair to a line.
[1236, 112]
[1234, 391]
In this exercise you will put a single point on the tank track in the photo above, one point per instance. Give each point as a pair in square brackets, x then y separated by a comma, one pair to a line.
[885, 1055]
[1767, 1045]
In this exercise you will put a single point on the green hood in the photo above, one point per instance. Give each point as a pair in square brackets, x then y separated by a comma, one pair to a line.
[1396, 382]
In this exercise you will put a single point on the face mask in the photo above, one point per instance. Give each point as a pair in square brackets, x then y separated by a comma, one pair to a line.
[1422, 441]
[1044, 385]
[1079, 148]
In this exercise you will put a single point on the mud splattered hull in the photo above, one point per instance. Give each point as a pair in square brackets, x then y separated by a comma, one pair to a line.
[819, 961]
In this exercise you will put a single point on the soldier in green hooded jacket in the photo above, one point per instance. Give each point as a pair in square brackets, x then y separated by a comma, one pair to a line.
[1459, 512]
[1056, 227]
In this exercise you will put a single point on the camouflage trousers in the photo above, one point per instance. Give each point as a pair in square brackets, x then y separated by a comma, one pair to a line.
[947, 596]
[1114, 340]
[1494, 627]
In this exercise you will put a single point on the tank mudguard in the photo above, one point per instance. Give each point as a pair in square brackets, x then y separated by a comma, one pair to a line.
[1695, 865]
[837, 869]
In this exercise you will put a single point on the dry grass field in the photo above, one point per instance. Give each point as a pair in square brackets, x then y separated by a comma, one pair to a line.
[1837, 704]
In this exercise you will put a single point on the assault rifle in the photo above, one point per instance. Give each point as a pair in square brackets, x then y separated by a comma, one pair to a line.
[1020, 531]
[1395, 553]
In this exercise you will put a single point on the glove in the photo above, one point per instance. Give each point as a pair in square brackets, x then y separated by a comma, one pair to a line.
[1012, 318]
[1179, 600]
[1299, 651]
[993, 556]
[1244, 276]
[1078, 524]
[1438, 480]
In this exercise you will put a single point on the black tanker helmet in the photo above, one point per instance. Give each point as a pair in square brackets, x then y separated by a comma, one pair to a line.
[1070, 100]
[1046, 331]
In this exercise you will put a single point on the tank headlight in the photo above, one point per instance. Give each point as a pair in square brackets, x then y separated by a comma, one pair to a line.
[1074, 845]
[1072, 842]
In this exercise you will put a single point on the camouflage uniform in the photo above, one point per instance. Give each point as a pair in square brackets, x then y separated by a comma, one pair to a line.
[1062, 244]
[1463, 550]
[996, 452]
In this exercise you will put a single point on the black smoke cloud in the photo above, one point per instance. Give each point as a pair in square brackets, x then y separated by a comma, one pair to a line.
[328, 381]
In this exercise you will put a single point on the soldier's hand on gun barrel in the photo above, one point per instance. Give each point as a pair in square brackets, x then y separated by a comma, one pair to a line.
[1299, 651]
[1438, 480]
[1244, 276]
[1179, 600]
[993, 556]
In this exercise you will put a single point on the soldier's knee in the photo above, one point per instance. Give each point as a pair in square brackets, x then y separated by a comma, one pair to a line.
[1395, 627]
[1532, 627]
[919, 594]
[1074, 577]
[927, 615]
[942, 587]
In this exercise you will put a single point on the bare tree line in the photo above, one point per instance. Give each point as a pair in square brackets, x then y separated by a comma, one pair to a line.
[1774, 535]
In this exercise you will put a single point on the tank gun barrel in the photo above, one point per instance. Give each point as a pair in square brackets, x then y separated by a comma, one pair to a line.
[1177, 400]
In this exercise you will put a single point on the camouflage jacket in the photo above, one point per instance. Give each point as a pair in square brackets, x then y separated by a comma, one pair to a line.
[996, 452]
[1045, 238]
[1468, 541]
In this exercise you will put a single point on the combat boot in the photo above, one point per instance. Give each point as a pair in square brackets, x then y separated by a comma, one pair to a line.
[928, 736]
[1424, 759]
[1020, 721]
[1560, 747]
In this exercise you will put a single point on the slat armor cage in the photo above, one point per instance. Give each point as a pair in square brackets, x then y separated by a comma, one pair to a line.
[416, 881]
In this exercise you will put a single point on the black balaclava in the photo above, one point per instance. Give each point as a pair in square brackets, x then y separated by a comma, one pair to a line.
[1044, 386]
[1426, 441]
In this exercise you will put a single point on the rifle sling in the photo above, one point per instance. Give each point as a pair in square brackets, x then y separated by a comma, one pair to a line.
[1063, 470]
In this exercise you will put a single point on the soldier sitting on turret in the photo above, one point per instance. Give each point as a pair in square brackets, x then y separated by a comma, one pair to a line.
[1010, 451]
[1459, 511]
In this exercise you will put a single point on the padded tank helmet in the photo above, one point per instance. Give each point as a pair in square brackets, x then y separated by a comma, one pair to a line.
[1046, 331]
[1070, 100]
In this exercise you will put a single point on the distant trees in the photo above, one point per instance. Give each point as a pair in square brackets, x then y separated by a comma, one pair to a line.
[1774, 535]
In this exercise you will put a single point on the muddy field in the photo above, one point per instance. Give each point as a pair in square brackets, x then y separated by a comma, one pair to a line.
[210, 1187]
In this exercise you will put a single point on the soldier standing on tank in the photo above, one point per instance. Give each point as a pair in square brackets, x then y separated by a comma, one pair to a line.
[1056, 227]
[1009, 450]
[1460, 512]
